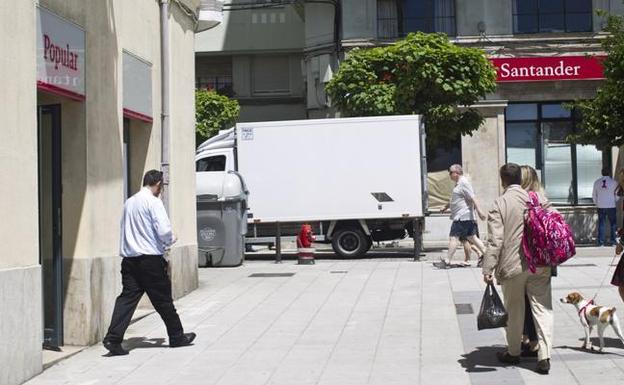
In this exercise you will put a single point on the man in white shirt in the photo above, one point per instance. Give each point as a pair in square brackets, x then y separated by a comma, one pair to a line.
[604, 196]
[463, 205]
[145, 233]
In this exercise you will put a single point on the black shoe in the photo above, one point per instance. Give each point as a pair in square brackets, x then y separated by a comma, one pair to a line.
[543, 366]
[115, 349]
[507, 358]
[183, 340]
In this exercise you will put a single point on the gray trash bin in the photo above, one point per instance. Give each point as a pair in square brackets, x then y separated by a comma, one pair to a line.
[222, 223]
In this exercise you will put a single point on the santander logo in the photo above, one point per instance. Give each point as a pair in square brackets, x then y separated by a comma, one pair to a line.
[515, 69]
[507, 71]
[59, 55]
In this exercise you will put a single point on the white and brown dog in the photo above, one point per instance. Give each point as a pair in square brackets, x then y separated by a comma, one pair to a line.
[593, 315]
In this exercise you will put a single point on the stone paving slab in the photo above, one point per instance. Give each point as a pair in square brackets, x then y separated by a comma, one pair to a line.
[367, 321]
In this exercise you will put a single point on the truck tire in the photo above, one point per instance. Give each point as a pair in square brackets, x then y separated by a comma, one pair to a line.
[350, 242]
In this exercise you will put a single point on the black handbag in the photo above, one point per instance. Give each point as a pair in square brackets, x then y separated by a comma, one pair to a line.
[492, 314]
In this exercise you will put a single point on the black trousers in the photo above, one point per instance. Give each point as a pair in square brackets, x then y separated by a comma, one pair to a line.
[143, 274]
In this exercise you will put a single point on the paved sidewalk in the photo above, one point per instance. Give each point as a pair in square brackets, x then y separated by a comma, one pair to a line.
[368, 321]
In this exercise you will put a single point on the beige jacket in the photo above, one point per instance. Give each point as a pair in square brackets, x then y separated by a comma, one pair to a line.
[505, 226]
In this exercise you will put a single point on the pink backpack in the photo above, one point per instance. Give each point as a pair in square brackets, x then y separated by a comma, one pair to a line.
[547, 239]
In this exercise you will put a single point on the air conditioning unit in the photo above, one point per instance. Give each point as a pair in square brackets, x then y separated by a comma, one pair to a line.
[210, 14]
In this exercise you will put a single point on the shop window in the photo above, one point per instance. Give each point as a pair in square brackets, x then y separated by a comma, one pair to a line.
[533, 16]
[536, 135]
[397, 18]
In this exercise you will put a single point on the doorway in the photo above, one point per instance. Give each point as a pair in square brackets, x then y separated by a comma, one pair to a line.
[50, 223]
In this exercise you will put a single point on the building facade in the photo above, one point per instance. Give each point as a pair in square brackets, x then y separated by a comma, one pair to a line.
[525, 119]
[81, 122]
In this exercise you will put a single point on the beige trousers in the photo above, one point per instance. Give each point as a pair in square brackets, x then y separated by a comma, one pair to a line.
[538, 290]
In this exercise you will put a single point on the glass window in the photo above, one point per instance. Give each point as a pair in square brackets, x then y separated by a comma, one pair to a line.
[524, 111]
[557, 162]
[536, 135]
[588, 169]
[213, 163]
[525, 23]
[397, 18]
[521, 141]
[581, 22]
[214, 73]
[525, 7]
[551, 23]
[578, 6]
[387, 19]
[531, 16]
[551, 6]
[270, 75]
[556, 110]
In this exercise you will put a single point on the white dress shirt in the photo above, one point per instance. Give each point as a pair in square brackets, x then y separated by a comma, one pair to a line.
[145, 226]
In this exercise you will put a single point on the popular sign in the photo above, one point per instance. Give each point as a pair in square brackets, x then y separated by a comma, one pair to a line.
[529, 69]
[60, 56]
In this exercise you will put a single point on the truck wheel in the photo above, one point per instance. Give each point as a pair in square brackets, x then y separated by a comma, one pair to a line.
[350, 242]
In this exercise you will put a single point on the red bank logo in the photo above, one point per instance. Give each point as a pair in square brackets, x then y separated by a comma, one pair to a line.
[507, 71]
[59, 55]
[527, 69]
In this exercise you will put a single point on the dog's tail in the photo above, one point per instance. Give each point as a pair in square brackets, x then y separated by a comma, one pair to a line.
[611, 313]
[615, 324]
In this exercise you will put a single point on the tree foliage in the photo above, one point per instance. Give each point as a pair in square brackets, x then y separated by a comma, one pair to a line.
[213, 112]
[421, 74]
[603, 116]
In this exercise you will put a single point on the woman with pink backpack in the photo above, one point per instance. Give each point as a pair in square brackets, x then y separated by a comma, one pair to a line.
[530, 345]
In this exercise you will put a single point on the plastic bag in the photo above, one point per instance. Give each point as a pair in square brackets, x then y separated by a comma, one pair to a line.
[492, 314]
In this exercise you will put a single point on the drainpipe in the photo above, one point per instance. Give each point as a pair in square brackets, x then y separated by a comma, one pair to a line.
[165, 136]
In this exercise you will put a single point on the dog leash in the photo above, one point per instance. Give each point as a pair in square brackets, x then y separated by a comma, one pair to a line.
[604, 278]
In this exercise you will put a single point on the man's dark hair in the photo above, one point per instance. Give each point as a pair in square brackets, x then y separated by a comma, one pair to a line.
[510, 173]
[606, 171]
[152, 177]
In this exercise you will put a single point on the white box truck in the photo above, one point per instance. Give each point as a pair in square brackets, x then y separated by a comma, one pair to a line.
[355, 180]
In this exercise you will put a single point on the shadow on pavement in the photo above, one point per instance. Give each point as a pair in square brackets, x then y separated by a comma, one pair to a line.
[609, 343]
[290, 256]
[144, 343]
[483, 360]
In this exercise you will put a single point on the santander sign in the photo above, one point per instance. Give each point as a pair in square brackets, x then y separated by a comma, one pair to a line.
[528, 69]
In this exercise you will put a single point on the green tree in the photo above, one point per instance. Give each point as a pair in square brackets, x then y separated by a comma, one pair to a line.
[213, 112]
[421, 74]
[603, 116]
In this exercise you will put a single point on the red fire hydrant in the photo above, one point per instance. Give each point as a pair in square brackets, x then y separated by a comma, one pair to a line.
[305, 251]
